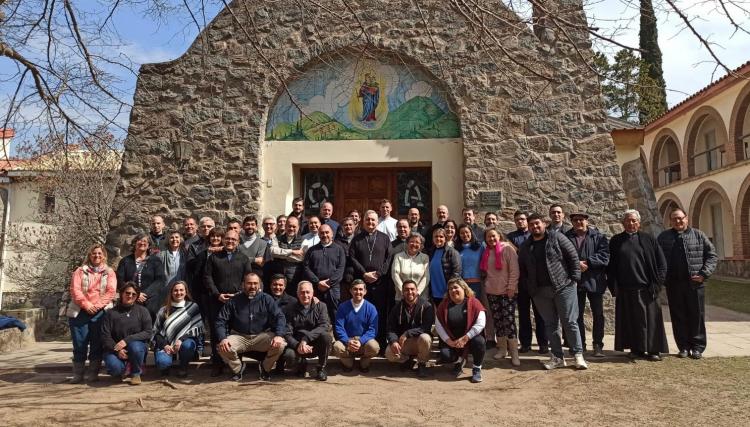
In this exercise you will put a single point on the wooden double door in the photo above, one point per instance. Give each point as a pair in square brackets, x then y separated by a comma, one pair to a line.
[364, 188]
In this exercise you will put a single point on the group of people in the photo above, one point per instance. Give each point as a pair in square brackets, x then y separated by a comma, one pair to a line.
[308, 287]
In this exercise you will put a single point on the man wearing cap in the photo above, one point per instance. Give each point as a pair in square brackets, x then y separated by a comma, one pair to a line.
[593, 257]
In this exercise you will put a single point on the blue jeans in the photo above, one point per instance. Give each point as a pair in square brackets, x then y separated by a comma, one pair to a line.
[85, 331]
[136, 357]
[185, 355]
[562, 307]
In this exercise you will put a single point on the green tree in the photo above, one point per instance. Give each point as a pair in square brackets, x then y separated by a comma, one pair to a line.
[655, 99]
[619, 81]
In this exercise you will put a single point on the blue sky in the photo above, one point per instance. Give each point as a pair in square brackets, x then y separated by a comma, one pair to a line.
[686, 64]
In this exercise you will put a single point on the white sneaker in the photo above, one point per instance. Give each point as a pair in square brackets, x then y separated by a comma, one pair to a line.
[580, 363]
[554, 362]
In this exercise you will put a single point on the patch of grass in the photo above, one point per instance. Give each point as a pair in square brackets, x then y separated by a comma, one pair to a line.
[731, 295]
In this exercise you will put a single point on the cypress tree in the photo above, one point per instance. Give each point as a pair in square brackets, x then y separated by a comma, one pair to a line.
[651, 65]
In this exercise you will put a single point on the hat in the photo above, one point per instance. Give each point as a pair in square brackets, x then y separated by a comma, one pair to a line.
[581, 214]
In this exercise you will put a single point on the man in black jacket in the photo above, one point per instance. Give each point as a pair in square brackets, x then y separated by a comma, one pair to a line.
[256, 323]
[277, 290]
[307, 332]
[287, 255]
[370, 254]
[549, 264]
[223, 277]
[409, 330]
[324, 268]
[691, 259]
[593, 255]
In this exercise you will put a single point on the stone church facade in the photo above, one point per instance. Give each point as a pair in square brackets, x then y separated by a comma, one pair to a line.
[423, 102]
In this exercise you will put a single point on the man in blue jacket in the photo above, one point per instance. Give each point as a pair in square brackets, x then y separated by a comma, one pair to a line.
[593, 256]
[257, 323]
[356, 329]
[691, 259]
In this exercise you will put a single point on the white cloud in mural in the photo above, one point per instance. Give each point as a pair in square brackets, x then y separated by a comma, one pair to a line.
[420, 88]
[336, 95]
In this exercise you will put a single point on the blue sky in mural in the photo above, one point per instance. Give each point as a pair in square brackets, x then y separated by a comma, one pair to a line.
[331, 87]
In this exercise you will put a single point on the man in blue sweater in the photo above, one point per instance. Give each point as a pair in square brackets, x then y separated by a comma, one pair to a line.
[356, 329]
[257, 324]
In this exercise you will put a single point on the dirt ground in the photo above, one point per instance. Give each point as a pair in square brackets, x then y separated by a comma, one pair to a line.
[614, 391]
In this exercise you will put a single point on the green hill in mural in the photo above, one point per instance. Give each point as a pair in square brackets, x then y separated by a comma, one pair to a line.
[417, 118]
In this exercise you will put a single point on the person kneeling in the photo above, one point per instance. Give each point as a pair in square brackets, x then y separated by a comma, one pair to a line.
[178, 330]
[256, 324]
[307, 331]
[460, 323]
[409, 326]
[356, 329]
[126, 331]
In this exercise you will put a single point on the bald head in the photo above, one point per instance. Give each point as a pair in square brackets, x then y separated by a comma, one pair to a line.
[325, 233]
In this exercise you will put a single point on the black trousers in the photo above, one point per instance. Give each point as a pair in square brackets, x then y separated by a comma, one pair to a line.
[477, 348]
[321, 349]
[377, 294]
[597, 312]
[214, 306]
[525, 305]
[687, 310]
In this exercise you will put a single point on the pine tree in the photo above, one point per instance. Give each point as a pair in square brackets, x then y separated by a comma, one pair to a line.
[620, 84]
[656, 95]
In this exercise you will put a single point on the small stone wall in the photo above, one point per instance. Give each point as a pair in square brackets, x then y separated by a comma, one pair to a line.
[13, 339]
[733, 269]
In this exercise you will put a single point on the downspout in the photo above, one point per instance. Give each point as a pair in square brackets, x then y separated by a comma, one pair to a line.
[4, 234]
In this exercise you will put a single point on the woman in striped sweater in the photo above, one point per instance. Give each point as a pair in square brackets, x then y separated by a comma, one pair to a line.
[178, 330]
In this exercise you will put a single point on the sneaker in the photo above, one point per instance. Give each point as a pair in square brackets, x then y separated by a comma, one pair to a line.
[458, 368]
[407, 366]
[422, 370]
[136, 380]
[476, 375]
[580, 362]
[238, 376]
[682, 354]
[598, 350]
[264, 375]
[554, 362]
[321, 375]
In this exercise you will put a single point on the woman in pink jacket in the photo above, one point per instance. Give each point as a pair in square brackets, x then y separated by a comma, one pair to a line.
[499, 267]
[92, 289]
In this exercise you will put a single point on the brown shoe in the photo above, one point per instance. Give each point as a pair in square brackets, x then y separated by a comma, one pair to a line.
[136, 380]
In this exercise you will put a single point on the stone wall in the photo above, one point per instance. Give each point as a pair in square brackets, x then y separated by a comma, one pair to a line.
[640, 195]
[733, 269]
[532, 118]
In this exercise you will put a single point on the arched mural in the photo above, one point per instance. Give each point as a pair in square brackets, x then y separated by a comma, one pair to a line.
[355, 98]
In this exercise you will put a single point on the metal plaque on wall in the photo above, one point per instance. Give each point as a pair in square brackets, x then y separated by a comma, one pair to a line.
[490, 199]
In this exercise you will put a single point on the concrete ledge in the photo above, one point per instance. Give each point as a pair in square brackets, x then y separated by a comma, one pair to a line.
[13, 339]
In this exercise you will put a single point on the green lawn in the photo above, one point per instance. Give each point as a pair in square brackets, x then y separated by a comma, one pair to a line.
[731, 295]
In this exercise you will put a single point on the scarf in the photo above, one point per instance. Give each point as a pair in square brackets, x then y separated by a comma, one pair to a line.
[483, 264]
